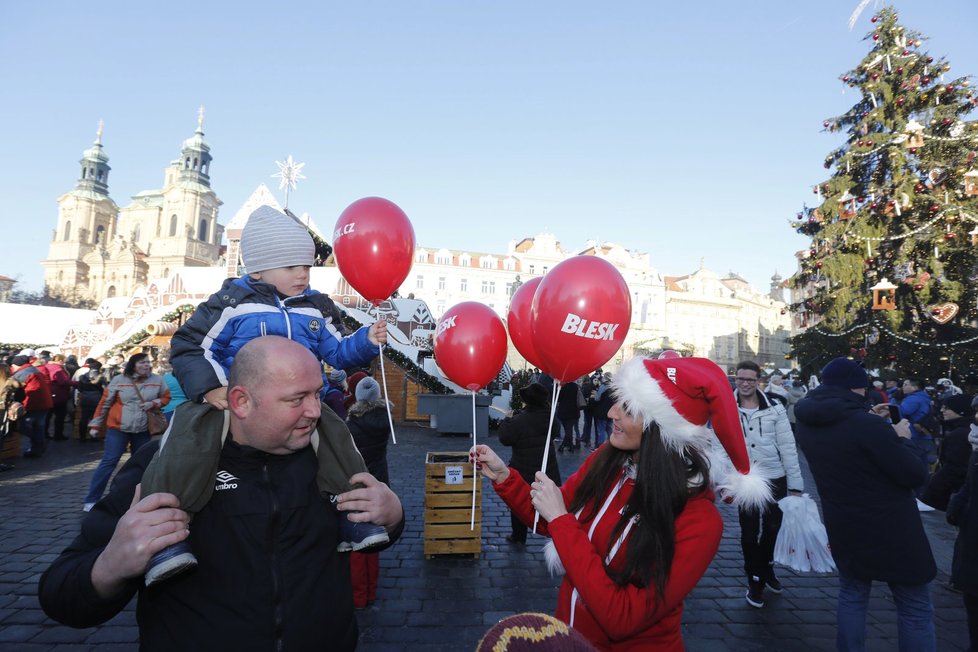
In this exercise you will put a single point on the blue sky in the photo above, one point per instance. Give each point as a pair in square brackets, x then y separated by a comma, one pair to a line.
[684, 130]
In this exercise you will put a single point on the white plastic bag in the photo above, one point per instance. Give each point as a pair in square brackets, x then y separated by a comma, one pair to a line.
[802, 542]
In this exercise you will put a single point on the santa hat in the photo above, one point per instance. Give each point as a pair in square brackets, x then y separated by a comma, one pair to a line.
[682, 395]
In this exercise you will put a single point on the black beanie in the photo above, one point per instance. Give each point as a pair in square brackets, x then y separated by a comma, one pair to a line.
[846, 373]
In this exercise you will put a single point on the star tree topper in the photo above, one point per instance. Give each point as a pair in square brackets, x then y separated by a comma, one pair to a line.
[289, 172]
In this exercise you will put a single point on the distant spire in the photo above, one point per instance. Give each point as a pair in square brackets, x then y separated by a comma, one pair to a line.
[200, 119]
[98, 134]
[702, 262]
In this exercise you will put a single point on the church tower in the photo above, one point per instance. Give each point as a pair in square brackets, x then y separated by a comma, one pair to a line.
[86, 221]
[176, 225]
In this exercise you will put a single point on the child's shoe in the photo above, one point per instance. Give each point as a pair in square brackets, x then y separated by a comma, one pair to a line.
[168, 562]
[358, 536]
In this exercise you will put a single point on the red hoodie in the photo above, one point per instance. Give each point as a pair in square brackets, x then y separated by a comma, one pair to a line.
[36, 387]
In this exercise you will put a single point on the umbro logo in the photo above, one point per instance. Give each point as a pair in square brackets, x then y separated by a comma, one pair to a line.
[225, 481]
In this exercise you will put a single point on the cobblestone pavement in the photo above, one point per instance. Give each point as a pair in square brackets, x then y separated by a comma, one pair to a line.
[445, 603]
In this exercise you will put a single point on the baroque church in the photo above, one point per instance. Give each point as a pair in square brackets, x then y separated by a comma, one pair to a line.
[99, 250]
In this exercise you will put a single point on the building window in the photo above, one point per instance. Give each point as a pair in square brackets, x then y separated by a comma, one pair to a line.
[544, 269]
[492, 287]
[441, 282]
[135, 233]
[420, 283]
[421, 257]
[99, 234]
[202, 231]
[173, 225]
[532, 269]
[463, 285]
[67, 234]
[485, 287]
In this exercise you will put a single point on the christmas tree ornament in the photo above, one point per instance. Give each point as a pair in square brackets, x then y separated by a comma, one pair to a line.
[944, 312]
[884, 295]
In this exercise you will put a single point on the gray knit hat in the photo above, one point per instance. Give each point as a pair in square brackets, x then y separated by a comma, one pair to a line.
[368, 390]
[272, 239]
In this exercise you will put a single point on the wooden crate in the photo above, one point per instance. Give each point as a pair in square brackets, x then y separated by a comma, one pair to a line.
[448, 507]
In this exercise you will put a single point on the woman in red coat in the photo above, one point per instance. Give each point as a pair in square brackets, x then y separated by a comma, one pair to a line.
[636, 527]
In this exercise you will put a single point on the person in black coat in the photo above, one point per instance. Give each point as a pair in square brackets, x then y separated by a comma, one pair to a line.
[526, 432]
[367, 420]
[866, 469]
[568, 414]
[957, 414]
[962, 510]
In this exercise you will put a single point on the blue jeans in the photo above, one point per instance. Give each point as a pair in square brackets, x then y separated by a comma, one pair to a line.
[602, 430]
[915, 615]
[34, 428]
[115, 445]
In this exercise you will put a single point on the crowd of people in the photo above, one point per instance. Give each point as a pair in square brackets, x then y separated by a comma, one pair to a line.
[275, 424]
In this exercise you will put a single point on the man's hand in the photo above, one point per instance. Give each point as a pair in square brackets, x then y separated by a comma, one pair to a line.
[217, 398]
[546, 497]
[488, 463]
[151, 524]
[881, 410]
[373, 503]
[377, 333]
[902, 428]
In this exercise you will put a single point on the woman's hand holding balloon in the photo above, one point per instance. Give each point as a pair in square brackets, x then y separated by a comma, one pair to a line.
[546, 497]
[488, 463]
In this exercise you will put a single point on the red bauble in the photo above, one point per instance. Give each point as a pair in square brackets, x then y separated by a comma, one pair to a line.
[946, 121]
[891, 357]
[913, 150]
[798, 216]
[933, 208]
[783, 311]
[813, 252]
[949, 88]
[930, 59]
[846, 79]
[906, 52]
[876, 36]
[918, 287]
[873, 206]
[899, 70]
[919, 188]
[811, 220]
[900, 101]
[870, 261]
[861, 199]
[935, 311]
[818, 264]
[826, 124]
[950, 235]
[925, 80]
[874, 19]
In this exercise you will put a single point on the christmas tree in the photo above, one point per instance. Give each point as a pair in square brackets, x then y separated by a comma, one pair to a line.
[891, 274]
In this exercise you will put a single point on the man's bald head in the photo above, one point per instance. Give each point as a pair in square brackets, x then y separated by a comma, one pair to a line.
[252, 362]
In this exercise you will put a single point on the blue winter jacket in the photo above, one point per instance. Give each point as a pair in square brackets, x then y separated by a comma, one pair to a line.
[915, 407]
[203, 349]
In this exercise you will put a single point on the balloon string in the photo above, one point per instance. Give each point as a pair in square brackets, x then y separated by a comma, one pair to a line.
[546, 449]
[474, 469]
[387, 403]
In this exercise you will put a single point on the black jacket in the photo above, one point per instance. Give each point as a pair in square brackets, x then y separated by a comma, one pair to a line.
[269, 576]
[865, 475]
[370, 428]
[963, 511]
[955, 452]
[526, 432]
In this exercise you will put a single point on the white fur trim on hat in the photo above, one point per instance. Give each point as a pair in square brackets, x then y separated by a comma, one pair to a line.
[748, 491]
[644, 399]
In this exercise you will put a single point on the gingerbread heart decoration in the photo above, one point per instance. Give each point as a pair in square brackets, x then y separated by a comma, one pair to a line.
[944, 312]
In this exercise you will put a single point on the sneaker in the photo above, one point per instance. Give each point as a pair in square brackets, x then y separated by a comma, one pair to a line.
[357, 536]
[168, 562]
[755, 595]
[923, 507]
[87, 507]
[773, 585]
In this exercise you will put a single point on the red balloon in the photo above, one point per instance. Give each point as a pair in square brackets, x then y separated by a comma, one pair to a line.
[669, 353]
[581, 313]
[470, 344]
[520, 322]
[373, 243]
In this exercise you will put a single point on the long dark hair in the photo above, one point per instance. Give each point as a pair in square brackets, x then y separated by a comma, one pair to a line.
[664, 481]
[130, 368]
